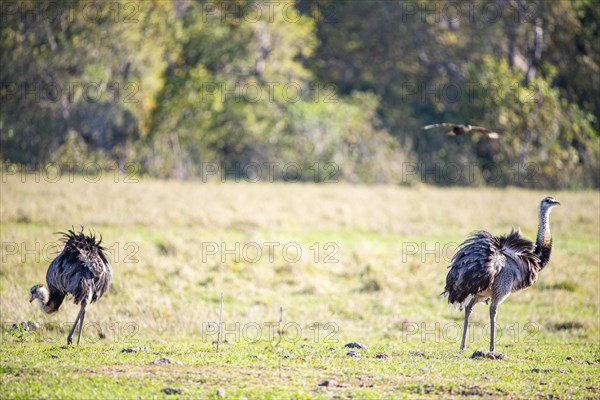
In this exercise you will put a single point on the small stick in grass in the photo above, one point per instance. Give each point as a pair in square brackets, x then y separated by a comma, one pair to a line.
[279, 341]
[220, 323]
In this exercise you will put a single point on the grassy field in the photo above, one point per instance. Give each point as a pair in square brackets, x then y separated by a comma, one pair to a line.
[344, 263]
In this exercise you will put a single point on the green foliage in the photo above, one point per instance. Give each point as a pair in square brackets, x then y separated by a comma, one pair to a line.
[22, 331]
[172, 86]
[542, 132]
[346, 134]
[246, 98]
[75, 70]
[475, 63]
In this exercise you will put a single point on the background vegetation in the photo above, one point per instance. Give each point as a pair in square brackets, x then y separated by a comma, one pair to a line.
[173, 85]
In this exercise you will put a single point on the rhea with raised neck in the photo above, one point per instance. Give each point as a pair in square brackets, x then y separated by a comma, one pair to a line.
[543, 244]
[488, 267]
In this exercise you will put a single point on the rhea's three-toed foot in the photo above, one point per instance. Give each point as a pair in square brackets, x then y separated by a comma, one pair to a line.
[496, 355]
[492, 355]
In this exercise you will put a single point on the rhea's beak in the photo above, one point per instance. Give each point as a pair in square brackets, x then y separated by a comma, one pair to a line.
[31, 299]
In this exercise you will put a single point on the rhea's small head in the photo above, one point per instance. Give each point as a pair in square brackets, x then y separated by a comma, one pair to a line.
[37, 293]
[548, 203]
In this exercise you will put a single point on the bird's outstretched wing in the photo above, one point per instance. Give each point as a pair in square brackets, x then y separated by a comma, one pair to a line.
[442, 125]
[485, 131]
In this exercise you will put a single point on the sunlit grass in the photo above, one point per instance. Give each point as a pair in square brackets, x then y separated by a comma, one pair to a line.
[372, 266]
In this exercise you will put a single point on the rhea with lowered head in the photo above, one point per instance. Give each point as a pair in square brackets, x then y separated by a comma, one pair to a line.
[82, 270]
[488, 267]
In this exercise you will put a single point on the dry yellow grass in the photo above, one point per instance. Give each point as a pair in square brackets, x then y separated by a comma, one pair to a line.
[387, 267]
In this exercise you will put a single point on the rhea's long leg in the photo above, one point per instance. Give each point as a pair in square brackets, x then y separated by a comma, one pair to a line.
[468, 309]
[500, 291]
[70, 337]
[81, 325]
[493, 309]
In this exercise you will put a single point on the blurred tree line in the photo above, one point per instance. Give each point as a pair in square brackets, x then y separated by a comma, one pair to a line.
[341, 87]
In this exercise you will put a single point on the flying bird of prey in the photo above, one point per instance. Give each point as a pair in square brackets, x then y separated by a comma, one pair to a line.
[458, 129]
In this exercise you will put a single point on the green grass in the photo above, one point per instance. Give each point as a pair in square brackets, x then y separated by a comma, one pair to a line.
[393, 370]
[388, 250]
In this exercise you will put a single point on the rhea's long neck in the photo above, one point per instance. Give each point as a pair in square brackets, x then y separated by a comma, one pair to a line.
[544, 238]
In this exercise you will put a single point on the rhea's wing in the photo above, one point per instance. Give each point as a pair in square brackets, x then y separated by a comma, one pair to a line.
[523, 259]
[104, 279]
[56, 287]
[66, 275]
[65, 270]
[54, 275]
[92, 258]
[473, 268]
[442, 125]
[81, 269]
